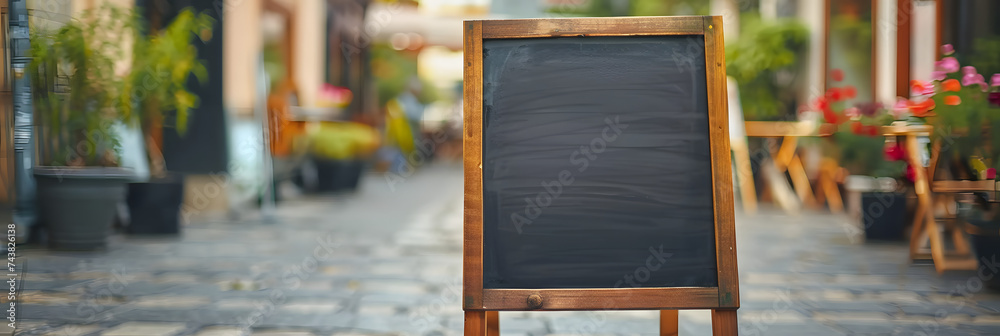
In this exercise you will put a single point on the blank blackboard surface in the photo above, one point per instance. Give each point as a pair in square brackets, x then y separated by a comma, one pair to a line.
[596, 164]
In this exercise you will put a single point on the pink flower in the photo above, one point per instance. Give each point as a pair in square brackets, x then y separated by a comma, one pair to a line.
[939, 75]
[969, 70]
[973, 79]
[947, 64]
[947, 49]
[995, 81]
[852, 112]
[901, 107]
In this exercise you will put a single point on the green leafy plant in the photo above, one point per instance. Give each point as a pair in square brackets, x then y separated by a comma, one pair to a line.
[962, 105]
[80, 95]
[154, 93]
[857, 138]
[74, 87]
[763, 62]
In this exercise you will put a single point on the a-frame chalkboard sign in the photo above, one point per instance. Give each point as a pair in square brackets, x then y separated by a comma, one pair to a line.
[597, 169]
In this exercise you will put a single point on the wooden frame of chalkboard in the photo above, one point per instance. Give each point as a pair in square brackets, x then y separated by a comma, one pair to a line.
[481, 303]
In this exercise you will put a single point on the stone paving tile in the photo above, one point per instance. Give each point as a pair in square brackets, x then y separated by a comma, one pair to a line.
[396, 271]
[222, 331]
[24, 327]
[170, 302]
[145, 329]
[796, 329]
[73, 330]
[282, 332]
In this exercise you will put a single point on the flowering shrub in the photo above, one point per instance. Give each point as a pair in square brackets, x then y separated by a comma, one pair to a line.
[857, 139]
[961, 104]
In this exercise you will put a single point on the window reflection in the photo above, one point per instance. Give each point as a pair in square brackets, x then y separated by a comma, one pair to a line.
[849, 46]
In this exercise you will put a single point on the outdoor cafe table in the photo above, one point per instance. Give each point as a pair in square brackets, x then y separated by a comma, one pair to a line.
[925, 221]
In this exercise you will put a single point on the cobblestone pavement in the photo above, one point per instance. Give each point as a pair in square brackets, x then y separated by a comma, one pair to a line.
[387, 260]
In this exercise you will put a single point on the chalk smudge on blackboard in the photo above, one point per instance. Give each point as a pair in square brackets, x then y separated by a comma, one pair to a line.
[551, 190]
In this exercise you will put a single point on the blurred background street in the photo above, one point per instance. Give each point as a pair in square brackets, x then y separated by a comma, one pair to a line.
[294, 167]
[332, 265]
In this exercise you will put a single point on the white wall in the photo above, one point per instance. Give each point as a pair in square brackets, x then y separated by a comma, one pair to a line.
[310, 51]
[811, 12]
[886, 27]
[924, 42]
[241, 45]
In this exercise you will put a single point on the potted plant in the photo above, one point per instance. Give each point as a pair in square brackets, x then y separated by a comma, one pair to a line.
[856, 145]
[338, 151]
[74, 87]
[966, 111]
[155, 95]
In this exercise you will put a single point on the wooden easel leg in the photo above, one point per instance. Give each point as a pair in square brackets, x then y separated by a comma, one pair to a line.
[724, 322]
[668, 323]
[493, 323]
[475, 323]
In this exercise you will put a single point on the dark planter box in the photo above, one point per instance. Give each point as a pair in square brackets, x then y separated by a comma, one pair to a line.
[883, 215]
[987, 249]
[77, 206]
[338, 175]
[985, 240]
[154, 207]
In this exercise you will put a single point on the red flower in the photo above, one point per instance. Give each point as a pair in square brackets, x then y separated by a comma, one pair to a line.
[894, 152]
[952, 100]
[821, 104]
[829, 116]
[837, 75]
[921, 88]
[873, 130]
[833, 94]
[922, 109]
[994, 98]
[857, 128]
[951, 85]
[911, 174]
[849, 92]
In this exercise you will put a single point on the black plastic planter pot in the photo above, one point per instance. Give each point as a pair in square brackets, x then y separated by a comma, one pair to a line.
[984, 232]
[337, 175]
[78, 205]
[349, 175]
[883, 215]
[154, 207]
